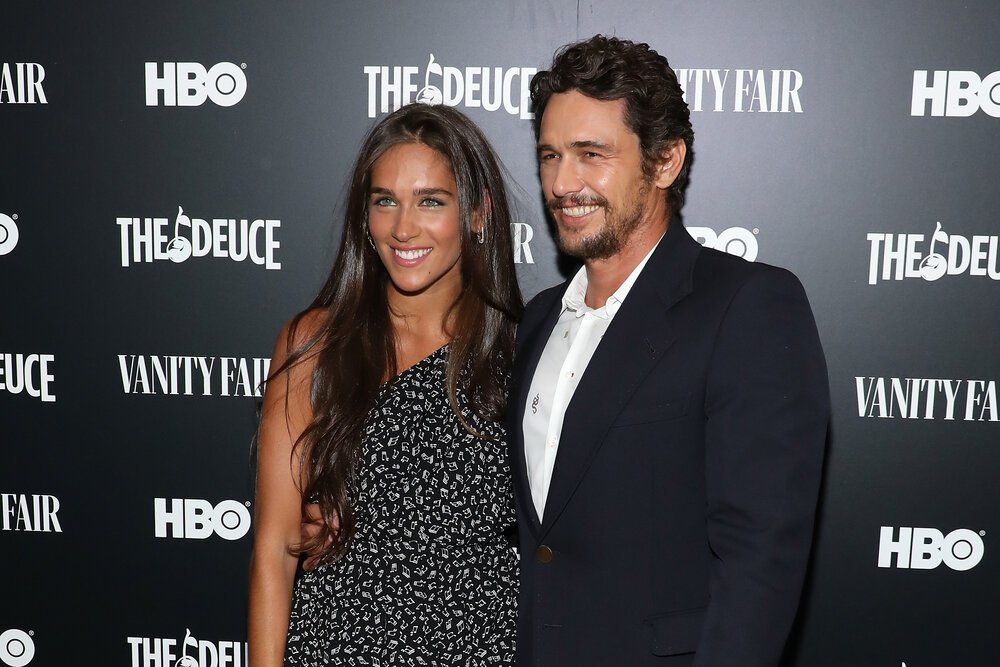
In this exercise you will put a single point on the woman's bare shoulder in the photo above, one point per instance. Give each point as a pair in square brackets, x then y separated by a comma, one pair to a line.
[300, 331]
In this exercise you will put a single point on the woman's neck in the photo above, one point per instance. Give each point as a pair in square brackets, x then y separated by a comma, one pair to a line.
[421, 322]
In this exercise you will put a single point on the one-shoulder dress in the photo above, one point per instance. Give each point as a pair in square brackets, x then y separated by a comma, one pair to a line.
[430, 577]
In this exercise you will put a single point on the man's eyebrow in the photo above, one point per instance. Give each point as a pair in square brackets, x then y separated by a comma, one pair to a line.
[591, 143]
[580, 143]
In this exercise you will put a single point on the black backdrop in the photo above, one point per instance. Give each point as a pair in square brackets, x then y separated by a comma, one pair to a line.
[832, 139]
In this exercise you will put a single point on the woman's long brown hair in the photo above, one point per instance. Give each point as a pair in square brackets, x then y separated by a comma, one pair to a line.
[353, 346]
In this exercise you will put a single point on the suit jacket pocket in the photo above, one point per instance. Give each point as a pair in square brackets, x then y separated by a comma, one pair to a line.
[644, 413]
[677, 632]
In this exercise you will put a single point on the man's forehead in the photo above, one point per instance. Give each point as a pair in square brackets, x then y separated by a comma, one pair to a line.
[573, 116]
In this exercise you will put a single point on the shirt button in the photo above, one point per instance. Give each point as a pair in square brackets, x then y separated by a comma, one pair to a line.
[544, 554]
[552, 443]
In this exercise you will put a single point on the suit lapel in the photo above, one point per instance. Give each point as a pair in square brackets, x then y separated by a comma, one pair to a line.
[633, 344]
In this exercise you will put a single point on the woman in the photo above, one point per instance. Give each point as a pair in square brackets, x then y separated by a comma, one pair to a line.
[385, 410]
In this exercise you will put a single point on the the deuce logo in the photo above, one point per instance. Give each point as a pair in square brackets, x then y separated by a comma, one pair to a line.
[927, 548]
[195, 519]
[491, 88]
[958, 93]
[190, 84]
[162, 652]
[16, 648]
[146, 239]
[899, 256]
[29, 373]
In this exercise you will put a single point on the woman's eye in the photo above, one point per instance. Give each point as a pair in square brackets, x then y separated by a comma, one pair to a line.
[383, 201]
[432, 202]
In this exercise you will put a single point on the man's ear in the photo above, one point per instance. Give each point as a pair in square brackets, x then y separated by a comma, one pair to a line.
[670, 163]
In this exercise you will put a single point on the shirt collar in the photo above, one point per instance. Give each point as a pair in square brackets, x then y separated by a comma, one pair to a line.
[573, 298]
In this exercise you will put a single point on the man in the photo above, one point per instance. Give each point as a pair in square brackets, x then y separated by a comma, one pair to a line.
[669, 403]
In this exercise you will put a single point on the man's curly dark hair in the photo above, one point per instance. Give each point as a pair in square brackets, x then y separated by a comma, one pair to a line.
[608, 68]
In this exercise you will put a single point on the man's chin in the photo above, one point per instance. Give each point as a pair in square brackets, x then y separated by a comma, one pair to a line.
[571, 243]
[572, 252]
[588, 247]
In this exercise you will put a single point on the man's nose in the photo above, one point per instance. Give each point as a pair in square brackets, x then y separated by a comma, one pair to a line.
[567, 178]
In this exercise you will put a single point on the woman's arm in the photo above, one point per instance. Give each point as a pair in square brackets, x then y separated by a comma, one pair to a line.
[286, 413]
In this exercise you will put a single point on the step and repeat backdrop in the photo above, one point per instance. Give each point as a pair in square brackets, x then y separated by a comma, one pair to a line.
[172, 179]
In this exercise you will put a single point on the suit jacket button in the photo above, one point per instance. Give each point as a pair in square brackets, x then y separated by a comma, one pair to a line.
[544, 554]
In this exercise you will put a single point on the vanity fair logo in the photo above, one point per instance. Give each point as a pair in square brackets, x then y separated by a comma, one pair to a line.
[925, 398]
[21, 83]
[27, 373]
[147, 239]
[16, 647]
[30, 513]
[738, 241]
[899, 256]
[742, 90]
[522, 233]
[474, 87]
[190, 84]
[189, 652]
[8, 233]
[927, 548]
[196, 519]
[956, 93]
[187, 375]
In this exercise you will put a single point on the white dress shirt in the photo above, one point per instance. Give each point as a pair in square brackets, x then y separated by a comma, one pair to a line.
[563, 362]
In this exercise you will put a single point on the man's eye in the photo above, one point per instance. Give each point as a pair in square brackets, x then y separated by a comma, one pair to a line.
[591, 154]
[545, 157]
[431, 202]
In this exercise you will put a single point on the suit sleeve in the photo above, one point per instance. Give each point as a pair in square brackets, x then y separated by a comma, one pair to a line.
[767, 407]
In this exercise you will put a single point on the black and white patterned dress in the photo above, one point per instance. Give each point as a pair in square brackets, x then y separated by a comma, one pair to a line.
[431, 577]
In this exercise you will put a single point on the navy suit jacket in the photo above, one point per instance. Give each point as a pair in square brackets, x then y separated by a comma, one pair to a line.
[680, 513]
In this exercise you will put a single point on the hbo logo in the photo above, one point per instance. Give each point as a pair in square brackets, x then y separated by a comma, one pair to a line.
[735, 240]
[926, 548]
[190, 84]
[16, 648]
[960, 93]
[195, 519]
[8, 233]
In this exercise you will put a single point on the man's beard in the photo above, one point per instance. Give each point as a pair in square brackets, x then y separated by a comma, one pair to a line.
[611, 238]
